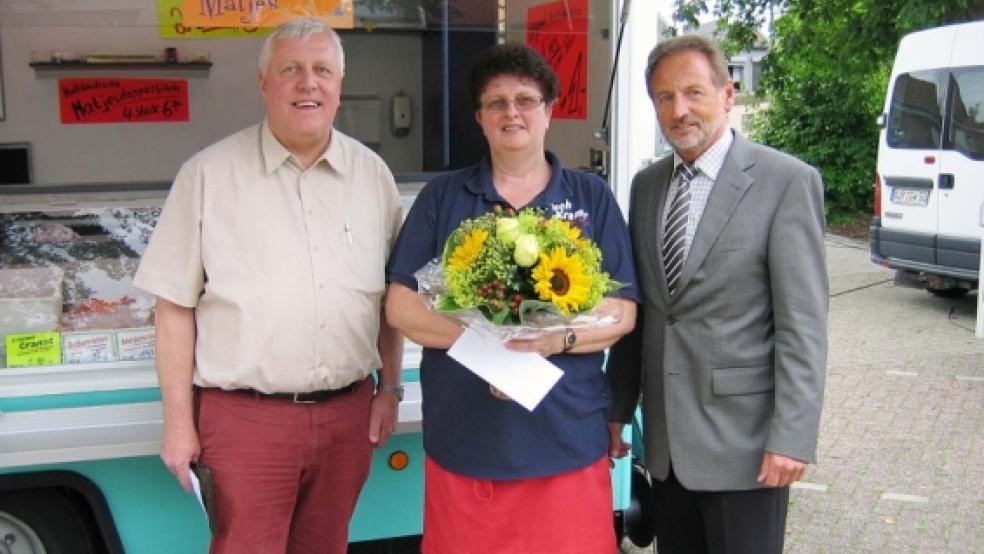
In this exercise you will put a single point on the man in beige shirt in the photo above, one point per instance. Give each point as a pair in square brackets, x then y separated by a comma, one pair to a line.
[268, 267]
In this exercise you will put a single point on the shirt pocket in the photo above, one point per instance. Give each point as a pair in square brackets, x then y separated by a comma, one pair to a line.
[363, 255]
[742, 380]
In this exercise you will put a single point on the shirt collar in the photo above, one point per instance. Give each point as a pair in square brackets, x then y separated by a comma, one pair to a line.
[557, 188]
[710, 162]
[275, 154]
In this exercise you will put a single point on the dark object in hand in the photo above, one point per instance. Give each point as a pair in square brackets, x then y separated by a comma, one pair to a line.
[204, 474]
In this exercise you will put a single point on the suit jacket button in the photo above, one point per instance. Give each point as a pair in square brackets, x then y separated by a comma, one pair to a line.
[670, 320]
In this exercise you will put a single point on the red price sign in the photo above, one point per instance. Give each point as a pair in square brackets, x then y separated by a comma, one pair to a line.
[559, 31]
[108, 100]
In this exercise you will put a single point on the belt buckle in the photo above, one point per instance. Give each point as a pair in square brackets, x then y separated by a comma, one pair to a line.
[297, 400]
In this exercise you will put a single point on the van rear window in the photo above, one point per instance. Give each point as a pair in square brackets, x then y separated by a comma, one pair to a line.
[915, 118]
[965, 131]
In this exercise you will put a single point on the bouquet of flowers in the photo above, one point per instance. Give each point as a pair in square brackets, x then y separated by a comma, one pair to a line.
[522, 272]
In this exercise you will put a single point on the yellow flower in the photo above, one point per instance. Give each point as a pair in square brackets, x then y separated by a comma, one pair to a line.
[561, 279]
[572, 232]
[467, 252]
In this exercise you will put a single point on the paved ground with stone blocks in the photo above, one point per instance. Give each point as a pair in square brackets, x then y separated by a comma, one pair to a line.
[901, 455]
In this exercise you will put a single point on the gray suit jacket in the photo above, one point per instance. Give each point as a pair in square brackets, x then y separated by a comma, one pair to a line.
[732, 365]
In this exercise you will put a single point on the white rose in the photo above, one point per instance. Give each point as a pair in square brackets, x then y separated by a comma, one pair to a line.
[527, 250]
[507, 229]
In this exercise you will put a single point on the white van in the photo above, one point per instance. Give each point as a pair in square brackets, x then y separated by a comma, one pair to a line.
[929, 186]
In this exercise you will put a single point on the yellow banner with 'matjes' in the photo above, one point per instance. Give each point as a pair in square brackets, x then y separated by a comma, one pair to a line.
[171, 23]
[265, 13]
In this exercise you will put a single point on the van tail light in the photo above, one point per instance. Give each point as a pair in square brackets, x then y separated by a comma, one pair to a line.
[876, 203]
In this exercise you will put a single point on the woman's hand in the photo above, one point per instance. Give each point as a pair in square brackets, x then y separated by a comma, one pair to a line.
[546, 344]
[498, 393]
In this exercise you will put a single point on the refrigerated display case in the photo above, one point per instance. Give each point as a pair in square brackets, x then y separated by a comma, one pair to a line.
[66, 262]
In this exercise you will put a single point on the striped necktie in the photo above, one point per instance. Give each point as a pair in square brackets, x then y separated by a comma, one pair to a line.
[674, 252]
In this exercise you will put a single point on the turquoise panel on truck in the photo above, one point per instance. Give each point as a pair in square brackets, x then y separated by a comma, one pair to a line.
[150, 509]
[147, 505]
[392, 502]
[52, 401]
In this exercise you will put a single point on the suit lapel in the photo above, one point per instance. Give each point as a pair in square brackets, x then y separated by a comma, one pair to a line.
[729, 188]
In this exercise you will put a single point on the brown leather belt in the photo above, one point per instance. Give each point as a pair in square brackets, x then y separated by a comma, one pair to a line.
[301, 397]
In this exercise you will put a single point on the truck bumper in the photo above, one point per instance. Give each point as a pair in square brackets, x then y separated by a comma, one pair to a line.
[926, 254]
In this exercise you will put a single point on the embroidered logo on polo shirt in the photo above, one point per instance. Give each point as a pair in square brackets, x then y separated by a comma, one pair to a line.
[563, 211]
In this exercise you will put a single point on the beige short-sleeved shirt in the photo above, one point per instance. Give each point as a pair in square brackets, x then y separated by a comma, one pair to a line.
[284, 266]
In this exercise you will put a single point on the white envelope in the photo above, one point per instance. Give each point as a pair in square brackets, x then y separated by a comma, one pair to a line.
[525, 376]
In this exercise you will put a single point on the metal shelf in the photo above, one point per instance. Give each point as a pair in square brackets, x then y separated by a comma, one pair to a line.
[104, 66]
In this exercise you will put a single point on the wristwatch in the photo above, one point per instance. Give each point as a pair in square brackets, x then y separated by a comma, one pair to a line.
[397, 390]
[570, 339]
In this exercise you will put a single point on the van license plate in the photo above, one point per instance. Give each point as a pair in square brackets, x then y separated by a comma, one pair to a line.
[910, 197]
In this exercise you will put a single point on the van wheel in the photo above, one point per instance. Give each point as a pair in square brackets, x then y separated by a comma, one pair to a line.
[17, 536]
[952, 292]
[41, 522]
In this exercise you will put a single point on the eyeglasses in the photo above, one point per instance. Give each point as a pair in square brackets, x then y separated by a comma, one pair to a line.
[523, 103]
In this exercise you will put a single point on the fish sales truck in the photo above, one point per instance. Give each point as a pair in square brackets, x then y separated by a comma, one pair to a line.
[80, 411]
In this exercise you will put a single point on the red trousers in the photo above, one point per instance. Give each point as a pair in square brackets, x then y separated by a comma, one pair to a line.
[570, 513]
[287, 476]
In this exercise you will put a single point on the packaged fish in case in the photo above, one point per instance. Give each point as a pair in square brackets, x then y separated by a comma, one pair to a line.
[88, 347]
[135, 344]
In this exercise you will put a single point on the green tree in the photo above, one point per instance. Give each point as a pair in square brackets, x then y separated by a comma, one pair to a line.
[825, 77]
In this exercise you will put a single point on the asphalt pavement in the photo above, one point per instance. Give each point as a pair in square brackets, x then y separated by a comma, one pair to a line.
[900, 463]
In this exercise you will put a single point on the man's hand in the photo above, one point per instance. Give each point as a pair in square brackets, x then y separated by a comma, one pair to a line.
[383, 413]
[780, 471]
[176, 334]
[179, 447]
[617, 448]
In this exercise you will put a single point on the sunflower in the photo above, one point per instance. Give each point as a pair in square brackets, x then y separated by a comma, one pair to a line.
[562, 280]
[468, 251]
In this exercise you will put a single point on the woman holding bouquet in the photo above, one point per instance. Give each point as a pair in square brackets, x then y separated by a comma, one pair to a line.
[500, 478]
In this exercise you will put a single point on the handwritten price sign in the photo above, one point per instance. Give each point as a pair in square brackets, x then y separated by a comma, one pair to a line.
[122, 100]
[559, 32]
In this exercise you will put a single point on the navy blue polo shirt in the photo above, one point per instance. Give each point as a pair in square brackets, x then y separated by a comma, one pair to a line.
[466, 429]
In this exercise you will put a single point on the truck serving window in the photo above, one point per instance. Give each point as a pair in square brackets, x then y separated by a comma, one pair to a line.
[965, 132]
[915, 118]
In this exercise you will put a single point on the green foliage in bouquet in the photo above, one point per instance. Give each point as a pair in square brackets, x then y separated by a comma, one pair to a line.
[510, 265]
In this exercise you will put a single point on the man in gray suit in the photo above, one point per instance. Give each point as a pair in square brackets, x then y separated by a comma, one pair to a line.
[729, 351]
